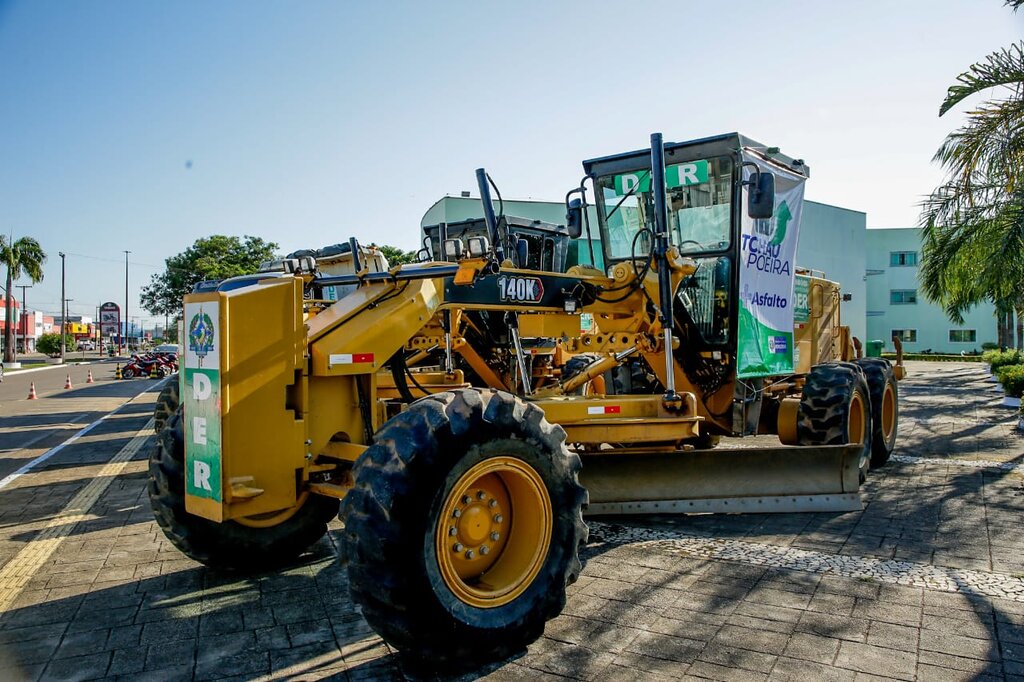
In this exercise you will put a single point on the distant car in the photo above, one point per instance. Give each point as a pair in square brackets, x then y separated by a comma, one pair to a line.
[167, 348]
[86, 345]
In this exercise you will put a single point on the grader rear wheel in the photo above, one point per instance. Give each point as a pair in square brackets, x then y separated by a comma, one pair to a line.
[884, 408]
[462, 530]
[261, 542]
[835, 409]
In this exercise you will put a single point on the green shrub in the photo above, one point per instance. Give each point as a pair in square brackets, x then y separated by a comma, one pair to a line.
[50, 344]
[1012, 379]
[990, 345]
[999, 358]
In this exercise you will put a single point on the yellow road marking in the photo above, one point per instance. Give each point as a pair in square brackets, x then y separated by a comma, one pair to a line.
[19, 570]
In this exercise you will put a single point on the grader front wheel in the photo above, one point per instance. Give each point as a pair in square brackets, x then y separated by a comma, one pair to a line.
[262, 542]
[462, 530]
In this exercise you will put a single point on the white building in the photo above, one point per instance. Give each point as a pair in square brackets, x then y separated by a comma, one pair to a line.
[896, 306]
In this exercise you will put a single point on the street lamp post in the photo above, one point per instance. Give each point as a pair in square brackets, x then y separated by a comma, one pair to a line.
[63, 316]
[126, 318]
[24, 323]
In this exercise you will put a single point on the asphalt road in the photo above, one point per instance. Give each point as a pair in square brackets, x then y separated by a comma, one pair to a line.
[29, 428]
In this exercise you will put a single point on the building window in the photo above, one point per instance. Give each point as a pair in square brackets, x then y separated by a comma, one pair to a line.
[902, 296]
[963, 335]
[902, 258]
[904, 335]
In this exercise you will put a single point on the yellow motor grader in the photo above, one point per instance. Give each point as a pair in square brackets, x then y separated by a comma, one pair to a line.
[468, 409]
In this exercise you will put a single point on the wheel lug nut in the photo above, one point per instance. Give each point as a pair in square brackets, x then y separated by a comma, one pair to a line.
[457, 513]
[470, 554]
[481, 495]
[466, 499]
[493, 503]
[452, 531]
[498, 518]
[484, 549]
[495, 536]
[457, 547]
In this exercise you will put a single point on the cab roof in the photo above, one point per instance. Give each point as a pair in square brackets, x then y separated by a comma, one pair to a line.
[675, 152]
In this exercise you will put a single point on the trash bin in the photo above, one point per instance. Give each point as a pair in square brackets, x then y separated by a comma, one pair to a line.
[874, 348]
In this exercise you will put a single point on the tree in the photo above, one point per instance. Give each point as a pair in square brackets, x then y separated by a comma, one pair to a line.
[396, 256]
[24, 256]
[214, 257]
[973, 224]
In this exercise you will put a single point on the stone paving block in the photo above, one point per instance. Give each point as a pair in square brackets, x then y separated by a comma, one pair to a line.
[168, 630]
[761, 624]
[684, 627]
[725, 655]
[753, 640]
[667, 647]
[247, 666]
[890, 636]
[957, 645]
[629, 665]
[929, 672]
[128, 660]
[838, 627]
[81, 643]
[888, 613]
[798, 670]
[766, 612]
[809, 647]
[876, 660]
[169, 654]
[79, 668]
[713, 671]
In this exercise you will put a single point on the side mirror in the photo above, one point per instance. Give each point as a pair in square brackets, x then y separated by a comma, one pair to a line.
[574, 218]
[761, 196]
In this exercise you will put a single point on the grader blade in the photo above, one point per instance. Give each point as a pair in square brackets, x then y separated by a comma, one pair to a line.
[763, 480]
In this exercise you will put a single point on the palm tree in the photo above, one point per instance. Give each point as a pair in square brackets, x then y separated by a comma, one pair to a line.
[973, 236]
[24, 256]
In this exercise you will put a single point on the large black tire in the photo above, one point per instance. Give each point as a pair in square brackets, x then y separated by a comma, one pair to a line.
[229, 545]
[885, 402]
[834, 401]
[393, 527]
[166, 405]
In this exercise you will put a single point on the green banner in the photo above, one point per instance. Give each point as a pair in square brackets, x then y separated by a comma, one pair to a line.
[678, 175]
[202, 429]
[201, 398]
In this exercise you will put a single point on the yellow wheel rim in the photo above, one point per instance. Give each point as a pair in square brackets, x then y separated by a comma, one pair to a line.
[888, 411]
[855, 428]
[493, 532]
[271, 519]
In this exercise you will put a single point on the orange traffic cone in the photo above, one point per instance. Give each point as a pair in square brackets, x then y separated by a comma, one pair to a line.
[90, 379]
[117, 371]
[67, 384]
[32, 392]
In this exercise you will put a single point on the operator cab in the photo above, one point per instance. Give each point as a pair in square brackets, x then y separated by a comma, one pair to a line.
[704, 185]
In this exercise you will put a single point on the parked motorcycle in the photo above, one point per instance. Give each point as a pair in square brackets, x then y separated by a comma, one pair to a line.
[141, 365]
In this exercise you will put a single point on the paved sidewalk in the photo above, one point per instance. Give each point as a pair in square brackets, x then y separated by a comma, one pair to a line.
[926, 583]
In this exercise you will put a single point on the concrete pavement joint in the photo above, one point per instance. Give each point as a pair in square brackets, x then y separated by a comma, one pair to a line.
[20, 570]
[904, 573]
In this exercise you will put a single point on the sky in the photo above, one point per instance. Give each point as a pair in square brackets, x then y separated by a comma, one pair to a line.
[143, 125]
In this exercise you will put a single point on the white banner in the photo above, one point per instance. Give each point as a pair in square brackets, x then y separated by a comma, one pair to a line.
[767, 264]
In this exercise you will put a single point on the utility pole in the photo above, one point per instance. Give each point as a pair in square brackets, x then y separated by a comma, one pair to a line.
[63, 315]
[24, 322]
[126, 318]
